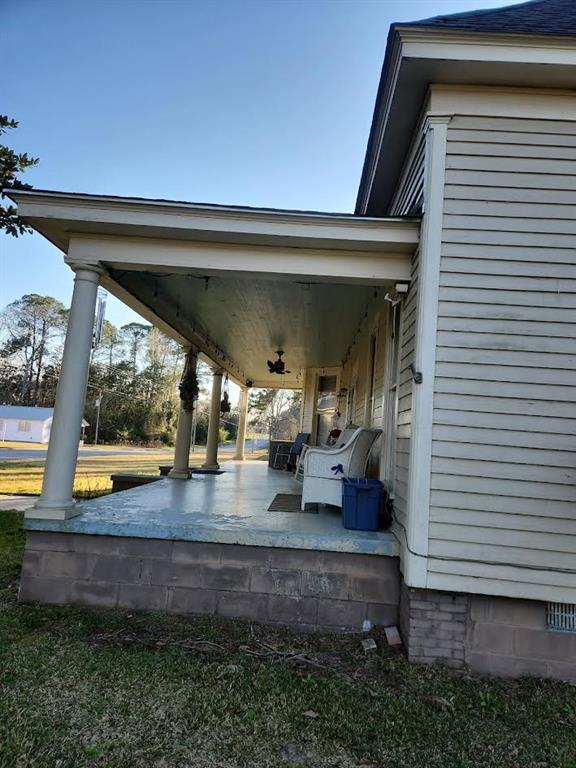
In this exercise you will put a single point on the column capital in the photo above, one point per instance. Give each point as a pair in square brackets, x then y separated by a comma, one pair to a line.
[87, 271]
[433, 120]
[218, 372]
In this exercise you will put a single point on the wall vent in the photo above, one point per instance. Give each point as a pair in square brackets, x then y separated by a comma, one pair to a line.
[561, 617]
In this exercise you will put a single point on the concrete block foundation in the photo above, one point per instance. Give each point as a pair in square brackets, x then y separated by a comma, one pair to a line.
[300, 588]
[308, 589]
[497, 636]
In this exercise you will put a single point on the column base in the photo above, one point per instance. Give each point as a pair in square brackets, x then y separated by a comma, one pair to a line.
[52, 511]
[211, 466]
[180, 474]
[239, 458]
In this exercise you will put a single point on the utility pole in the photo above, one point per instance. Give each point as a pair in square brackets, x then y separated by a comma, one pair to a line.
[97, 403]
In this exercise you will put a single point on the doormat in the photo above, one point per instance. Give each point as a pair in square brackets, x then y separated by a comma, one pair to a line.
[287, 502]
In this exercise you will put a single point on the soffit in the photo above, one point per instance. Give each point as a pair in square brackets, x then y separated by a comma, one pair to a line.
[425, 59]
[243, 321]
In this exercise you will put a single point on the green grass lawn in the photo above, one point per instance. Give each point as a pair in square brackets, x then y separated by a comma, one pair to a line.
[24, 476]
[114, 689]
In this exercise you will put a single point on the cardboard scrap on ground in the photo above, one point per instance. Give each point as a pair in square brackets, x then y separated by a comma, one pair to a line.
[392, 636]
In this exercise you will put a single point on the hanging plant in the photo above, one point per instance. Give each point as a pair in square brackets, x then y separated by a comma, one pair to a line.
[189, 388]
[225, 404]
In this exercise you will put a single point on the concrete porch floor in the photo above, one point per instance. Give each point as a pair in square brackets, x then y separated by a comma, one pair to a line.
[231, 508]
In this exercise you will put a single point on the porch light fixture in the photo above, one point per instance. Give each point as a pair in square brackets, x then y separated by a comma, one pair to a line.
[416, 375]
[278, 366]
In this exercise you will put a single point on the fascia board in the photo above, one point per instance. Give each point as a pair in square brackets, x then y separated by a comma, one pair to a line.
[529, 49]
[247, 226]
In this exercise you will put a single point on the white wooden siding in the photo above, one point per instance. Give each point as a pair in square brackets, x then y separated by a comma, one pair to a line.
[404, 418]
[408, 201]
[409, 198]
[503, 482]
[355, 374]
[38, 431]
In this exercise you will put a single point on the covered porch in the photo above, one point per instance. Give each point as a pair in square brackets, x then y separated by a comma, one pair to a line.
[232, 286]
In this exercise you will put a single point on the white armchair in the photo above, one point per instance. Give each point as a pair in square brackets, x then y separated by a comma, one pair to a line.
[344, 437]
[320, 484]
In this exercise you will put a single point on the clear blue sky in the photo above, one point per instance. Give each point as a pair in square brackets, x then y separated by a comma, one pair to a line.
[254, 102]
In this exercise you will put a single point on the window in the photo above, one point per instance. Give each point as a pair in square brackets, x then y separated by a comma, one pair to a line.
[391, 406]
[24, 426]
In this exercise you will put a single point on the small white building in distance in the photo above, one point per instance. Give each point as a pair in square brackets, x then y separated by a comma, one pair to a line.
[27, 424]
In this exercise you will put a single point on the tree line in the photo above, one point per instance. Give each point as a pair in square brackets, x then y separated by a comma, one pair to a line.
[133, 375]
[132, 390]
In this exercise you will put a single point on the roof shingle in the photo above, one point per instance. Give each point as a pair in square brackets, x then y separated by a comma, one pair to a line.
[536, 17]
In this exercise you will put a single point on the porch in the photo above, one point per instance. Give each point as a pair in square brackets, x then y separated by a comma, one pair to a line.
[209, 545]
[230, 508]
[234, 287]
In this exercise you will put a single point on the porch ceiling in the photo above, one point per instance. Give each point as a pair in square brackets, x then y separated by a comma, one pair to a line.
[246, 319]
[238, 283]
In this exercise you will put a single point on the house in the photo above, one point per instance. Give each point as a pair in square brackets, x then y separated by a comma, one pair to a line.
[444, 308]
[27, 424]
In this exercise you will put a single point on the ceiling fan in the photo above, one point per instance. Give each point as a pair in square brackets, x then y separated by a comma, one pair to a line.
[278, 366]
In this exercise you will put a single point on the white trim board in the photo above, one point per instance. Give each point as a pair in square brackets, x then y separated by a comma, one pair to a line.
[279, 263]
[418, 506]
[56, 215]
[531, 103]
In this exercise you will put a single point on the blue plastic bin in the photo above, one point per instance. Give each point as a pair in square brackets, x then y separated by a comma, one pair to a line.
[361, 502]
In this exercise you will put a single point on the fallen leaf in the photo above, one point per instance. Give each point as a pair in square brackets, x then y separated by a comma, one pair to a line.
[441, 701]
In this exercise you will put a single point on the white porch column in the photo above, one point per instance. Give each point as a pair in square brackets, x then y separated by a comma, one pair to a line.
[241, 434]
[56, 501]
[181, 469]
[214, 422]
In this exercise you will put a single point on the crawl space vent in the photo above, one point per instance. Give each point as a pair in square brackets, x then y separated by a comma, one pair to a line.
[561, 617]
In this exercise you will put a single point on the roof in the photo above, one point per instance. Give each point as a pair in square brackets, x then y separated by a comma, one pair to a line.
[405, 77]
[537, 17]
[184, 203]
[58, 215]
[27, 412]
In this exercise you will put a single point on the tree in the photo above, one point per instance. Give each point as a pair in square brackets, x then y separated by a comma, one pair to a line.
[31, 326]
[11, 164]
[277, 410]
[159, 381]
[109, 342]
[134, 335]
